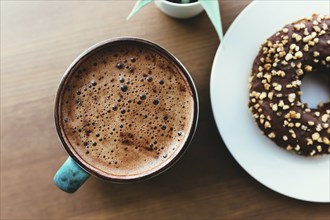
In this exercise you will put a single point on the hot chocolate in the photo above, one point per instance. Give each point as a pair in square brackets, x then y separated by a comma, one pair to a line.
[126, 109]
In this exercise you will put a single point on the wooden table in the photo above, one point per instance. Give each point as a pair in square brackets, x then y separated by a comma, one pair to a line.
[39, 39]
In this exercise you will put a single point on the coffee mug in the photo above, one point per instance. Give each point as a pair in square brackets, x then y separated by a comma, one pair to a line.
[126, 110]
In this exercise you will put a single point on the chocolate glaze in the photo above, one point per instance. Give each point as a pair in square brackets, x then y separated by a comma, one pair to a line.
[300, 48]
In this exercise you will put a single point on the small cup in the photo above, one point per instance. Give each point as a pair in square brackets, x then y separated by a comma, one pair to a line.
[179, 10]
[75, 171]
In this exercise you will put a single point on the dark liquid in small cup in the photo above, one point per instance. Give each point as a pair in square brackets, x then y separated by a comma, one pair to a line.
[126, 110]
[182, 1]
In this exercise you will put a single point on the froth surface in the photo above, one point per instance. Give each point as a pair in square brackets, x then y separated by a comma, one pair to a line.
[126, 110]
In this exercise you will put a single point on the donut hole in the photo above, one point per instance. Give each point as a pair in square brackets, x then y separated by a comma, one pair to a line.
[315, 88]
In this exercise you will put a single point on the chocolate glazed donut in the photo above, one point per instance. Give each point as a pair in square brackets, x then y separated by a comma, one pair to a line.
[300, 48]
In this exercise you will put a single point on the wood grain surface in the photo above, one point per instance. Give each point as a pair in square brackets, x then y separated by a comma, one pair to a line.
[39, 39]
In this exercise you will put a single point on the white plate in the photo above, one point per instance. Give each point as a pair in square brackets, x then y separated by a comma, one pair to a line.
[284, 172]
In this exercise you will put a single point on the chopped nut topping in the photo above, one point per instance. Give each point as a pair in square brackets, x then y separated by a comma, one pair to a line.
[304, 127]
[298, 54]
[299, 72]
[271, 135]
[282, 73]
[267, 86]
[292, 97]
[285, 123]
[306, 48]
[311, 43]
[259, 75]
[288, 57]
[270, 95]
[326, 140]
[292, 46]
[299, 65]
[311, 123]
[281, 103]
[263, 95]
[282, 54]
[296, 36]
[267, 125]
[319, 148]
[285, 138]
[315, 136]
[267, 66]
[309, 141]
[308, 68]
[278, 87]
[297, 27]
[307, 38]
[314, 34]
[268, 77]
[284, 63]
[322, 32]
[306, 32]
[317, 28]
[296, 83]
[291, 114]
[274, 107]
[325, 117]
[261, 120]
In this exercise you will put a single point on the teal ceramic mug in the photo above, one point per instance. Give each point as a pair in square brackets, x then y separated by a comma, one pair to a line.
[126, 110]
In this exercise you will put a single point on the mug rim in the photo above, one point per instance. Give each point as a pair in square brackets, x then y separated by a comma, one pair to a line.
[89, 167]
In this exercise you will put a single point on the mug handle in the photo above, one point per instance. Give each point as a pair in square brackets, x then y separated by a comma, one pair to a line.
[70, 176]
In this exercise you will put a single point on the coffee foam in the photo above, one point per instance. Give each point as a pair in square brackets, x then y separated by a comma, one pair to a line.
[126, 110]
